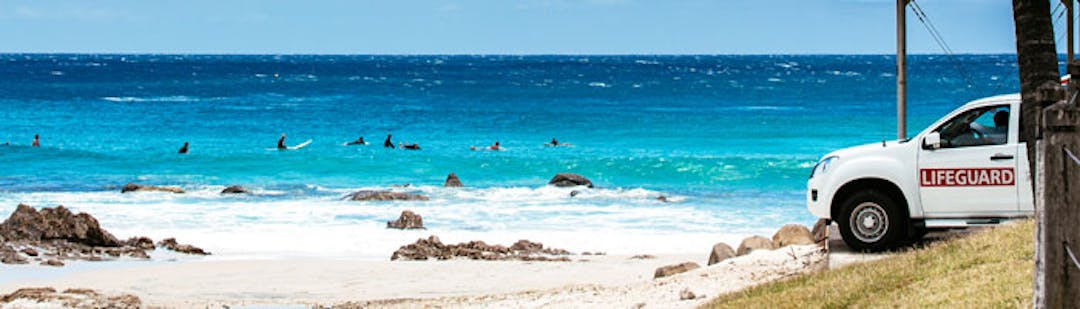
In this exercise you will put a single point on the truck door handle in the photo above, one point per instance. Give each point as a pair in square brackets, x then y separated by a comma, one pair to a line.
[1001, 156]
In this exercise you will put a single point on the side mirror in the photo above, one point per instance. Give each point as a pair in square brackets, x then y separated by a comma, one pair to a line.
[932, 141]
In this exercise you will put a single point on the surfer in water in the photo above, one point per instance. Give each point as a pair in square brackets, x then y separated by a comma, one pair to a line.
[388, 143]
[183, 150]
[37, 142]
[359, 141]
[495, 147]
[554, 142]
[281, 143]
[413, 146]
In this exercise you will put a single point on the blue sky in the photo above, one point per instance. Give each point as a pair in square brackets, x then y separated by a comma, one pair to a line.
[498, 26]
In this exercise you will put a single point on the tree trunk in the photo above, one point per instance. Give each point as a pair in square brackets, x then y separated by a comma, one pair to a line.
[1039, 76]
[1039, 87]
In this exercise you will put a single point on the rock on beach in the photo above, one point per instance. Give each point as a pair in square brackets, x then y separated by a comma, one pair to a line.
[752, 243]
[792, 234]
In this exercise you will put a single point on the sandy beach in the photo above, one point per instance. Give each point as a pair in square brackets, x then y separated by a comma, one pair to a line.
[588, 281]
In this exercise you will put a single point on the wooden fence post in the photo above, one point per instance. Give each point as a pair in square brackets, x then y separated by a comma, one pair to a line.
[1058, 239]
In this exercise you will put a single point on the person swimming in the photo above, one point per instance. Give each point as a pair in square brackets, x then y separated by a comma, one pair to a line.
[281, 142]
[495, 147]
[37, 142]
[413, 146]
[388, 143]
[359, 141]
[183, 150]
[554, 142]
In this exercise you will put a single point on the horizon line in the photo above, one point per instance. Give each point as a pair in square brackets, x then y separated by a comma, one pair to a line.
[496, 54]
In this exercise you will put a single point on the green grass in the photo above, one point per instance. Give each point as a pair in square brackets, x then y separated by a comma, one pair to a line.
[988, 269]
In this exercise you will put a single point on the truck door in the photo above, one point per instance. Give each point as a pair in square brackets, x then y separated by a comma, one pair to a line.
[973, 173]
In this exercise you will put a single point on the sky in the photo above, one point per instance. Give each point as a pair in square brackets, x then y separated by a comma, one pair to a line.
[499, 26]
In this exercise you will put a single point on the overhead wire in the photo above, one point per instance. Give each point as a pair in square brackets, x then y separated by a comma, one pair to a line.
[940, 40]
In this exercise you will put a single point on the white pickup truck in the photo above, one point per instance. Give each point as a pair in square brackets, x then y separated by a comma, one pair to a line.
[967, 169]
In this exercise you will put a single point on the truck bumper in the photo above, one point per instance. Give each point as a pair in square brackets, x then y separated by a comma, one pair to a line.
[816, 201]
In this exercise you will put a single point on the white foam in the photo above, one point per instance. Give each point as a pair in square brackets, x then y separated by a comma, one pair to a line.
[273, 223]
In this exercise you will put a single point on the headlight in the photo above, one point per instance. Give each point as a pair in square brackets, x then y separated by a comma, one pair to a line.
[823, 166]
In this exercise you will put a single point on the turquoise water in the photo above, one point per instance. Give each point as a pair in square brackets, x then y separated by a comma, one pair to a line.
[730, 138]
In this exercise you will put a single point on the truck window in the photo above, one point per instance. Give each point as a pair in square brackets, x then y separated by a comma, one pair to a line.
[977, 127]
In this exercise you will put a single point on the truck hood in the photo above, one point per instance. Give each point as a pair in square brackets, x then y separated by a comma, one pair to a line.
[861, 150]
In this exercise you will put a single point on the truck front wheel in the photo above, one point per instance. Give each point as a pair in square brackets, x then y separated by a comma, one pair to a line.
[872, 221]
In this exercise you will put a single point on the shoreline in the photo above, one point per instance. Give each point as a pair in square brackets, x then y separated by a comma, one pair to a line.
[453, 283]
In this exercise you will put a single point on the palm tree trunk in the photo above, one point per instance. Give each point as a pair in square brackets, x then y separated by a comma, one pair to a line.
[1039, 76]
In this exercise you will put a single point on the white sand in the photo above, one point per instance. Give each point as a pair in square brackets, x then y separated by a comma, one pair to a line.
[608, 281]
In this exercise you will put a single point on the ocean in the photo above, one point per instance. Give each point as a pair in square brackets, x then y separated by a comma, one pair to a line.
[730, 140]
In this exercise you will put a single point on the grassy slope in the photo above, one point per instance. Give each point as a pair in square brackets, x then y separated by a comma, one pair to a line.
[990, 269]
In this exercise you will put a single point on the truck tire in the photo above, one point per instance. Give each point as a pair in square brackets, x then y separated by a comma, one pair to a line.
[872, 221]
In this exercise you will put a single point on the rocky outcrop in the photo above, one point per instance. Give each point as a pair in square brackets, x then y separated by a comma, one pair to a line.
[171, 244]
[433, 248]
[754, 243]
[371, 195]
[132, 187]
[820, 231]
[452, 181]
[407, 220]
[234, 189]
[720, 252]
[570, 180]
[28, 224]
[70, 298]
[792, 234]
[53, 235]
[675, 269]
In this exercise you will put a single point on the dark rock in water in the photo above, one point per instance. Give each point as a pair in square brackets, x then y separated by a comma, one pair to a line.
[70, 298]
[171, 244]
[675, 269]
[523, 250]
[235, 190]
[28, 224]
[663, 199]
[453, 181]
[407, 220]
[370, 195]
[574, 193]
[720, 252]
[132, 187]
[569, 180]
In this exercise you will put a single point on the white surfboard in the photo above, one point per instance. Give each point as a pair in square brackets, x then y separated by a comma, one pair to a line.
[301, 145]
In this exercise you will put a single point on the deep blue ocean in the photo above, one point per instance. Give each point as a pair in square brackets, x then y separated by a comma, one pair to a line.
[730, 139]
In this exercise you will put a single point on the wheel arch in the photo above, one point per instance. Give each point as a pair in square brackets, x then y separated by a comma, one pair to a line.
[884, 186]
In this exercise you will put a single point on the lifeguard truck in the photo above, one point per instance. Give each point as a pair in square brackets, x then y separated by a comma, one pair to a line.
[967, 169]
